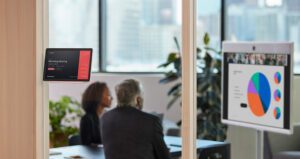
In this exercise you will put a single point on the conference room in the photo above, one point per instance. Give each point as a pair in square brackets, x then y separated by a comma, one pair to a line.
[114, 79]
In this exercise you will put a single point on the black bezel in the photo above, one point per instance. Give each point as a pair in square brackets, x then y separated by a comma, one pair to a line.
[68, 49]
[287, 94]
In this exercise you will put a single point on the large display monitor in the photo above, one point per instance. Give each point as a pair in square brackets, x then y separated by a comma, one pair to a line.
[257, 85]
[67, 64]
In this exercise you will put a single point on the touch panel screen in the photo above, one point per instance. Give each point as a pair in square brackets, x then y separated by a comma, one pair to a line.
[67, 64]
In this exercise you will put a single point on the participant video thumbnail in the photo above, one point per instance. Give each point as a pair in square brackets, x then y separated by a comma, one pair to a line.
[257, 59]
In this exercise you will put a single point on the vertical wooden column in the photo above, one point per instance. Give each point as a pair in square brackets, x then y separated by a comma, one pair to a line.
[42, 110]
[21, 108]
[17, 79]
[189, 122]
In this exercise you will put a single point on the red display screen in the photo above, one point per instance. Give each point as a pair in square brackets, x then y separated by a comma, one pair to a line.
[67, 65]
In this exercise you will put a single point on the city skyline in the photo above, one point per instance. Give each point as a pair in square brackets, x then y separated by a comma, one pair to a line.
[141, 32]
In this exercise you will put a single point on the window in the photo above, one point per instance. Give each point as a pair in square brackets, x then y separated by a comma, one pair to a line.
[265, 20]
[75, 23]
[209, 20]
[135, 35]
[140, 34]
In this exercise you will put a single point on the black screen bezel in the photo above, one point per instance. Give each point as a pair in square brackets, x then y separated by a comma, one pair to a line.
[67, 49]
[287, 93]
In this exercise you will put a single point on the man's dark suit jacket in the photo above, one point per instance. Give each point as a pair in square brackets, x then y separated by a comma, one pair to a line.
[128, 133]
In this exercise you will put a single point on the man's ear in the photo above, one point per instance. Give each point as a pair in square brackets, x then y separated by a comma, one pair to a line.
[139, 101]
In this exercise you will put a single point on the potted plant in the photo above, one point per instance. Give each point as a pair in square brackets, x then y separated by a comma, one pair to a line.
[64, 118]
[209, 124]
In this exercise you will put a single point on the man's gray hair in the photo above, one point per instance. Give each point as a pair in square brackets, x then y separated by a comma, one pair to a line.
[127, 91]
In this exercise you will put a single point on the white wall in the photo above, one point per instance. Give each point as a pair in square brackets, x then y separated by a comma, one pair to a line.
[156, 98]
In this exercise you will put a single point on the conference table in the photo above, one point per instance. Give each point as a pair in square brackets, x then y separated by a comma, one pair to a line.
[204, 147]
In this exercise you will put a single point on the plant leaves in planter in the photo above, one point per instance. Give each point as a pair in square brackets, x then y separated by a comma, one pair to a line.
[209, 64]
[58, 111]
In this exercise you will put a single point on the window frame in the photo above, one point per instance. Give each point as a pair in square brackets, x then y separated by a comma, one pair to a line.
[102, 35]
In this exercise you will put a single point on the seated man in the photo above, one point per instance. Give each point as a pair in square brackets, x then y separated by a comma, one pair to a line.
[128, 132]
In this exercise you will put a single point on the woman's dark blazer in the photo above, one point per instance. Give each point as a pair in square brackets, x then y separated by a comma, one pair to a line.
[90, 129]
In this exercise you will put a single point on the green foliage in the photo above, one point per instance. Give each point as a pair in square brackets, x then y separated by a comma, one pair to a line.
[209, 124]
[63, 115]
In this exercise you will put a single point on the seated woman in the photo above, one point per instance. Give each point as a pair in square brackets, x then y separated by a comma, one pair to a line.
[95, 98]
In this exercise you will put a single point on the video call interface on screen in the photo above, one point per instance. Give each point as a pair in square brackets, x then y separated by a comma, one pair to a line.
[256, 89]
[67, 65]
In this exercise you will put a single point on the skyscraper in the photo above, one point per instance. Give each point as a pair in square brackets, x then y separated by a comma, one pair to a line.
[292, 5]
[123, 30]
[159, 12]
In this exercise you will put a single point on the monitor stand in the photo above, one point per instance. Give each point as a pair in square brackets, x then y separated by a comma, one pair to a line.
[259, 144]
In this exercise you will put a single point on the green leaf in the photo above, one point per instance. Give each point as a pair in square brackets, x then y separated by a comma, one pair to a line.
[203, 86]
[175, 89]
[177, 65]
[177, 43]
[206, 39]
[164, 65]
[209, 62]
[172, 57]
[170, 76]
[198, 50]
[174, 99]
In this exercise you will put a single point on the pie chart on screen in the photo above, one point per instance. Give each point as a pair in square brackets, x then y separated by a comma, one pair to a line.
[277, 78]
[277, 95]
[277, 113]
[259, 94]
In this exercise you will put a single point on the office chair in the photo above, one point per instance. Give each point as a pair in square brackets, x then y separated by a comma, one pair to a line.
[222, 152]
[74, 140]
[173, 132]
